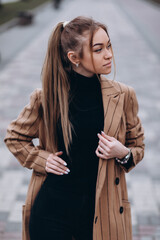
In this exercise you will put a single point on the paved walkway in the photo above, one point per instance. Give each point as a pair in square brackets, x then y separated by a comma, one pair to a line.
[137, 65]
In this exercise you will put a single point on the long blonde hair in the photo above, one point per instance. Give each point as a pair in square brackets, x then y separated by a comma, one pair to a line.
[55, 84]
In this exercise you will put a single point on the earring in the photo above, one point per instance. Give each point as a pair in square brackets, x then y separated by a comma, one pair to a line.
[77, 64]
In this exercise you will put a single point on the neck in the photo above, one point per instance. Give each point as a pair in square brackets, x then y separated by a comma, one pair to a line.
[83, 72]
[83, 83]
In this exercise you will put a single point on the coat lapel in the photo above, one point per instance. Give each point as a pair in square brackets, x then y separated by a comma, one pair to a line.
[113, 100]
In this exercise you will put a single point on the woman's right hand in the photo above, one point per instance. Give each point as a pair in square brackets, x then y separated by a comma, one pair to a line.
[56, 165]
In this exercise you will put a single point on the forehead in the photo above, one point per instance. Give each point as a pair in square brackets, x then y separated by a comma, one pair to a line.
[100, 36]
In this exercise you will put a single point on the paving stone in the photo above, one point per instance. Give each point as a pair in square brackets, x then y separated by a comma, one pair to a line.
[143, 220]
[16, 212]
[135, 230]
[157, 233]
[155, 220]
[11, 236]
[25, 181]
[157, 238]
[147, 231]
[2, 226]
[146, 238]
[4, 216]
[13, 227]
[20, 197]
[136, 238]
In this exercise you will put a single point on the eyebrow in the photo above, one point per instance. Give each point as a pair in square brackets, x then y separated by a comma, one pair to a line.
[101, 43]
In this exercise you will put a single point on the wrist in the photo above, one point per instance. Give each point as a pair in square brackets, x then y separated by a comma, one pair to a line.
[123, 153]
[125, 159]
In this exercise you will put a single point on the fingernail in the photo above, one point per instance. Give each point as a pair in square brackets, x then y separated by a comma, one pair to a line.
[68, 170]
[102, 132]
[65, 163]
[61, 173]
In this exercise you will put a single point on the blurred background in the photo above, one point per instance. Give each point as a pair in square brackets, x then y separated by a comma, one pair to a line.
[134, 28]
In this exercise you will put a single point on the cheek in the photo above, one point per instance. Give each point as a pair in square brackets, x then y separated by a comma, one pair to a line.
[98, 63]
[87, 62]
[98, 60]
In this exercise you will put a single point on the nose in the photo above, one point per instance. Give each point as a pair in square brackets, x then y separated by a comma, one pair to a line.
[108, 54]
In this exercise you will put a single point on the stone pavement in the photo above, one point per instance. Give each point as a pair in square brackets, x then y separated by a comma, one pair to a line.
[137, 65]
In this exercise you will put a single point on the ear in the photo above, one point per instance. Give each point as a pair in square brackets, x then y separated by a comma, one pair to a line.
[73, 57]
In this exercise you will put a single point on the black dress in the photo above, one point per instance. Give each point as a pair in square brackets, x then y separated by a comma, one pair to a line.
[65, 203]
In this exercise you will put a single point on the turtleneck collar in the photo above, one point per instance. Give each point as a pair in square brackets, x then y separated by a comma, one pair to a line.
[82, 82]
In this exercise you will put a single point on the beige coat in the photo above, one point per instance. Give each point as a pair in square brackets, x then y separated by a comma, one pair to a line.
[112, 220]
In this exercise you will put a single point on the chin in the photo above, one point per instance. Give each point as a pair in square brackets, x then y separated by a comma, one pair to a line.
[106, 72]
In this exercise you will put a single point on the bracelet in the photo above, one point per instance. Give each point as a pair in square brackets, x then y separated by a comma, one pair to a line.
[125, 159]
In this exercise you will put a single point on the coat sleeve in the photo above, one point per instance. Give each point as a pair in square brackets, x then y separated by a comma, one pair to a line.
[22, 131]
[134, 131]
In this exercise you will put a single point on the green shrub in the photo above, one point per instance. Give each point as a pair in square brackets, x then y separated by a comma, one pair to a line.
[9, 11]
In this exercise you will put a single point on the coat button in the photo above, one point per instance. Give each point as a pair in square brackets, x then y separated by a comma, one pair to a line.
[121, 209]
[117, 181]
[96, 219]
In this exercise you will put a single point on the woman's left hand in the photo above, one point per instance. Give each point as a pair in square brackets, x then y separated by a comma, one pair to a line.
[109, 147]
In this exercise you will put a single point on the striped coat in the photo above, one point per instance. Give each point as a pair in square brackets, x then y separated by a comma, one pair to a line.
[112, 220]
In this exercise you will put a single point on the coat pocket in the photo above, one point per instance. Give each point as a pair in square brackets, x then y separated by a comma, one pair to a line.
[26, 210]
[127, 219]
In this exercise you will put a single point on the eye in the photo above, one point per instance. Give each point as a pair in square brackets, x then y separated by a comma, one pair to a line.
[98, 50]
[109, 45]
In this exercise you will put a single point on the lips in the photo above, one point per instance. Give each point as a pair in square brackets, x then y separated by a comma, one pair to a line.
[108, 64]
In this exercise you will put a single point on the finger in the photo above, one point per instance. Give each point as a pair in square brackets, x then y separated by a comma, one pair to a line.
[104, 140]
[100, 149]
[60, 160]
[57, 168]
[49, 170]
[59, 164]
[59, 153]
[102, 145]
[54, 162]
[99, 154]
[107, 136]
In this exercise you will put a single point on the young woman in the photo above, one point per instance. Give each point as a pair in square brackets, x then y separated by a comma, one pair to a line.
[89, 136]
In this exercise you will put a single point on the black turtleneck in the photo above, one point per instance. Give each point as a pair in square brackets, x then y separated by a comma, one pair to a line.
[87, 117]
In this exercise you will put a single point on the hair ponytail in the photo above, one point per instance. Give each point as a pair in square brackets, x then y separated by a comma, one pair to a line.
[55, 92]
